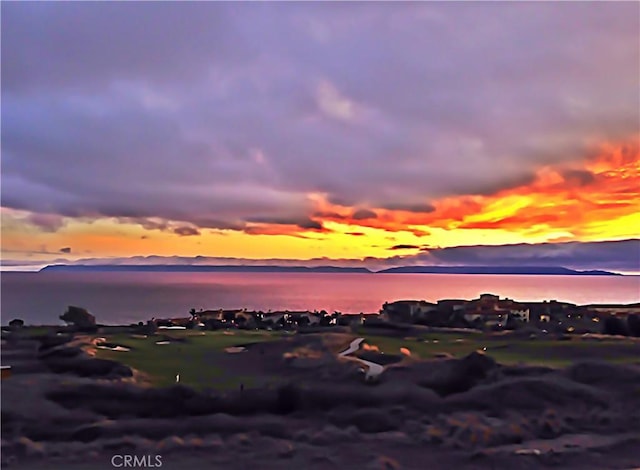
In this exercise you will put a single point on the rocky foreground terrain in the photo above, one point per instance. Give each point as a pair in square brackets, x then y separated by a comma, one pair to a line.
[62, 408]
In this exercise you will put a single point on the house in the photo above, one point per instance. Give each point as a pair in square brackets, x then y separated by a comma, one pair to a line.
[406, 311]
[614, 309]
[490, 308]
[220, 314]
[245, 319]
[486, 317]
[496, 319]
[452, 305]
[305, 318]
[489, 298]
[521, 315]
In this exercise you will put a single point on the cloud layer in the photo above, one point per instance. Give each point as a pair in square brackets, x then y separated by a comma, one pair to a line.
[237, 116]
[618, 256]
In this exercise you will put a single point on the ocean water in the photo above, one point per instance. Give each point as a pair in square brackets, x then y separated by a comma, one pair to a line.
[39, 298]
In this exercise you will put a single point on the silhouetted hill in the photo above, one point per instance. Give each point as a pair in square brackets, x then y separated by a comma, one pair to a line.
[528, 270]
[524, 270]
[198, 269]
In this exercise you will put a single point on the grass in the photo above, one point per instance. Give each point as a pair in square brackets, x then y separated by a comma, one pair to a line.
[194, 360]
[199, 365]
[34, 331]
[552, 353]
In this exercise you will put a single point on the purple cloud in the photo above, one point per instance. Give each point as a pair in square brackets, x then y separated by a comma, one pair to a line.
[118, 110]
[46, 222]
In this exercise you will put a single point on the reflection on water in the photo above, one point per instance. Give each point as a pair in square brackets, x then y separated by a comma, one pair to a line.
[133, 297]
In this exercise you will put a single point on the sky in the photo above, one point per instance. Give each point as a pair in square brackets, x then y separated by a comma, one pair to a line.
[341, 133]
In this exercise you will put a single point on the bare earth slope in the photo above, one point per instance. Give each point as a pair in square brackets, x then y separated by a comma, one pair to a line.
[61, 412]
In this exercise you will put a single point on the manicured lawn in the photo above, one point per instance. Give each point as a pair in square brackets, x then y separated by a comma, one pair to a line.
[202, 362]
[194, 360]
[508, 351]
[33, 331]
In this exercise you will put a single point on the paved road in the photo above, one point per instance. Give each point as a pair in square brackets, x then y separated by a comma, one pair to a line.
[373, 369]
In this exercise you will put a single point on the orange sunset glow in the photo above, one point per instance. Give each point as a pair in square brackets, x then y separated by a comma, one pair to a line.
[598, 201]
[243, 149]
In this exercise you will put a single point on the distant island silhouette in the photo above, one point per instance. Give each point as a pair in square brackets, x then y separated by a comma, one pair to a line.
[513, 270]
[529, 270]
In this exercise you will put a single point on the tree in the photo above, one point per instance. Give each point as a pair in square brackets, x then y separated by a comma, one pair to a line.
[16, 324]
[325, 320]
[633, 324]
[192, 312]
[241, 322]
[288, 399]
[229, 315]
[79, 317]
[614, 326]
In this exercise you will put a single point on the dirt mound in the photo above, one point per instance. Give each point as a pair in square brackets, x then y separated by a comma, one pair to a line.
[120, 400]
[60, 353]
[605, 375]
[521, 371]
[528, 394]
[88, 367]
[457, 375]
[156, 429]
[52, 341]
[372, 420]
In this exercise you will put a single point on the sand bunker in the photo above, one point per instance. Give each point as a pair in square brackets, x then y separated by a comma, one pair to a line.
[161, 343]
[172, 327]
[114, 348]
[235, 349]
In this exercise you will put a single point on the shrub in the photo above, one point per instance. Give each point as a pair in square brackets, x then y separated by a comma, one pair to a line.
[288, 399]
[373, 421]
[79, 317]
[633, 324]
[614, 326]
[16, 323]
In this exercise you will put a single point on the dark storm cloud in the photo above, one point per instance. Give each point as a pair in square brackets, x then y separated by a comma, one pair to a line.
[404, 247]
[186, 231]
[418, 208]
[623, 255]
[310, 224]
[581, 177]
[302, 222]
[238, 110]
[364, 214]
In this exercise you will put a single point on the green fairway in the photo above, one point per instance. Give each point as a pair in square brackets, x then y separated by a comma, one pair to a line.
[195, 359]
[553, 353]
[202, 362]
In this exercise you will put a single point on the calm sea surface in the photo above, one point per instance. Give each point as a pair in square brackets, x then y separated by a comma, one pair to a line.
[39, 298]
